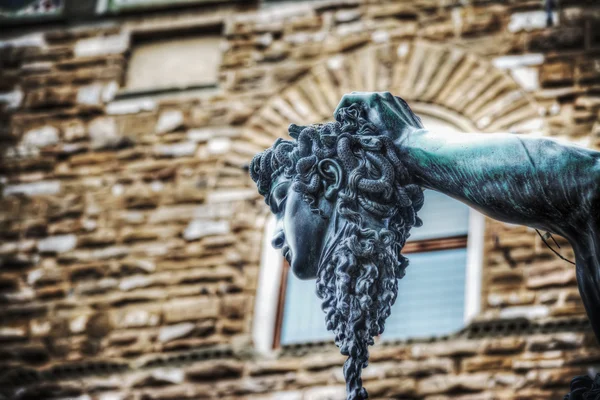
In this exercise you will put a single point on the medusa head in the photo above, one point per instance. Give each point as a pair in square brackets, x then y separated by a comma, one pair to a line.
[344, 206]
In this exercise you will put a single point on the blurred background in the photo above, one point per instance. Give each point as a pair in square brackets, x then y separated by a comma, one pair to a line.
[135, 258]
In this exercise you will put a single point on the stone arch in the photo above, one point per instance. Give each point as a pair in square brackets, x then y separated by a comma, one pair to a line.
[453, 80]
[448, 83]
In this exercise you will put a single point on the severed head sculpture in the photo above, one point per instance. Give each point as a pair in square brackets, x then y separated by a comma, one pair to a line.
[346, 195]
[344, 207]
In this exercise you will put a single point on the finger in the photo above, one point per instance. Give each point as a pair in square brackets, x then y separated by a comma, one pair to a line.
[353, 98]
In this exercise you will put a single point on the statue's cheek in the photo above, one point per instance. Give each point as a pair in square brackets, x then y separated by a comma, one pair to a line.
[305, 233]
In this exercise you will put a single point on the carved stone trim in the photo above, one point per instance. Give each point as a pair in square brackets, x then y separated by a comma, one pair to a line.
[475, 330]
[423, 72]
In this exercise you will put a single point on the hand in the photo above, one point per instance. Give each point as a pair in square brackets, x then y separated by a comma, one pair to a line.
[391, 115]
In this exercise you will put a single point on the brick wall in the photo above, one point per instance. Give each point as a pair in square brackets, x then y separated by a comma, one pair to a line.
[131, 233]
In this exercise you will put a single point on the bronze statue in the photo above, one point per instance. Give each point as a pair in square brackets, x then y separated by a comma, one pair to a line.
[347, 193]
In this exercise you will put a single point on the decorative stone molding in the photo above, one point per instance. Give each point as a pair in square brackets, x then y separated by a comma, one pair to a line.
[449, 79]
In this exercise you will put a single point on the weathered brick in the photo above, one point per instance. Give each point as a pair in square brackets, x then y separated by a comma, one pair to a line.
[190, 309]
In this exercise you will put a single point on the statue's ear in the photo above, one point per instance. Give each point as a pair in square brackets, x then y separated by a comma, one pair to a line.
[333, 175]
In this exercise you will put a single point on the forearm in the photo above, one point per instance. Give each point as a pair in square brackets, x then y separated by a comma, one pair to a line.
[513, 178]
[441, 159]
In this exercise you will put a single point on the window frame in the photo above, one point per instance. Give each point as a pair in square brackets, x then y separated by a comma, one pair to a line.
[212, 29]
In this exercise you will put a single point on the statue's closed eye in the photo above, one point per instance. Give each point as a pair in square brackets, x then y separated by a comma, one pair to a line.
[278, 198]
[278, 205]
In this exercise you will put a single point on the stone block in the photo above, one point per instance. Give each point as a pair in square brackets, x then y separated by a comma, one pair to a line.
[286, 395]
[193, 343]
[57, 244]
[102, 45]
[420, 368]
[507, 345]
[188, 191]
[190, 309]
[215, 369]
[100, 237]
[218, 145]
[403, 11]
[105, 253]
[99, 286]
[140, 196]
[321, 361]
[74, 130]
[39, 328]
[447, 348]
[12, 99]
[526, 77]
[529, 21]
[176, 331]
[59, 96]
[33, 188]
[506, 277]
[181, 391]
[512, 298]
[589, 70]
[348, 15]
[484, 363]
[133, 234]
[583, 356]
[556, 341]
[40, 137]
[51, 292]
[268, 367]
[477, 22]
[516, 61]
[83, 271]
[98, 325]
[391, 388]
[306, 379]
[168, 121]
[557, 39]
[384, 353]
[159, 377]
[556, 378]
[135, 317]
[325, 392]
[230, 327]
[184, 149]
[22, 296]
[136, 282]
[200, 228]
[170, 214]
[90, 94]
[205, 134]
[22, 246]
[440, 384]
[552, 278]
[135, 106]
[8, 333]
[557, 72]
[529, 312]
[225, 196]
[104, 134]
[92, 158]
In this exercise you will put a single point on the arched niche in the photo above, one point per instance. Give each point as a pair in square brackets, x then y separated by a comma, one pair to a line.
[447, 84]
[421, 72]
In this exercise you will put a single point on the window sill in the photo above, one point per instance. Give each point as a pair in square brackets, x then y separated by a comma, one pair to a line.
[125, 93]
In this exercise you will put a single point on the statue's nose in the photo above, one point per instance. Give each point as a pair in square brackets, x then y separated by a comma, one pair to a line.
[278, 240]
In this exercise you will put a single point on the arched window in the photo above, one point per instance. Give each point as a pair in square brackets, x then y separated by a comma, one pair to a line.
[440, 293]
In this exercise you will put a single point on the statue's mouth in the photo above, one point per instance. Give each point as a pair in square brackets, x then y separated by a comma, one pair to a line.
[286, 254]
